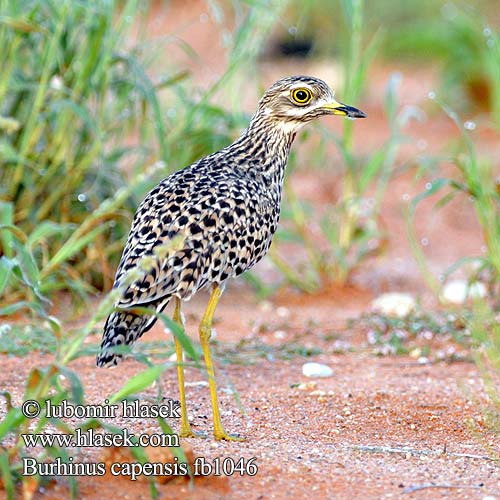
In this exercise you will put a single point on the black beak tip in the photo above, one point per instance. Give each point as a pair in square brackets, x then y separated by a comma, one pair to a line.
[352, 112]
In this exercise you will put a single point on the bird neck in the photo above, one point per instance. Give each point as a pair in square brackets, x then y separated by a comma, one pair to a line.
[264, 147]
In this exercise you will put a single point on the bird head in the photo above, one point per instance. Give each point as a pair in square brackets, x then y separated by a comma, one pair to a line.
[296, 100]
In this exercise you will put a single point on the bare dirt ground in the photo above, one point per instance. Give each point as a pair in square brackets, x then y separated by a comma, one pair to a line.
[379, 427]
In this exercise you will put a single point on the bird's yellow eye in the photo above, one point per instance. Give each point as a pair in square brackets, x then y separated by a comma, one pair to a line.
[301, 96]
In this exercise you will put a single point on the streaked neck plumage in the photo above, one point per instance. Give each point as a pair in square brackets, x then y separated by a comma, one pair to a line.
[265, 145]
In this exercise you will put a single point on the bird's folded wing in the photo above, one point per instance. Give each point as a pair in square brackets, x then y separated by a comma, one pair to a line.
[177, 243]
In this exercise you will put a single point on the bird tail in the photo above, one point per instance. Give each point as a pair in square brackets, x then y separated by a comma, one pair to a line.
[124, 328]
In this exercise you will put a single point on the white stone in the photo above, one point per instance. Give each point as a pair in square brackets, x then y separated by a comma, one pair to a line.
[316, 370]
[199, 383]
[56, 82]
[459, 291]
[395, 304]
[283, 312]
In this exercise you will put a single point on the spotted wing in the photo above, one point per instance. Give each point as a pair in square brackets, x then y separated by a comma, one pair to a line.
[200, 225]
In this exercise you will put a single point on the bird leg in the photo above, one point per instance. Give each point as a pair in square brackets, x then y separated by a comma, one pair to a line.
[185, 426]
[205, 334]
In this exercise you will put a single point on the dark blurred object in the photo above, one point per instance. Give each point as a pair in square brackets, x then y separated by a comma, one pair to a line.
[294, 47]
[479, 91]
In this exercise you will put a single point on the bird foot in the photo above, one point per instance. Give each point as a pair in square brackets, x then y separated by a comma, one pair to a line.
[222, 435]
[188, 433]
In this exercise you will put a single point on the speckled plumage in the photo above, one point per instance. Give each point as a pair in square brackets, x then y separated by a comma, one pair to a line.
[224, 210]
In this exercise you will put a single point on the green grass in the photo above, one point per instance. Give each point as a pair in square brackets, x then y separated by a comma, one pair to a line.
[459, 37]
[252, 351]
[416, 333]
[78, 107]
[486, 333]
[467, 48]
[476, 179]
[19, 340]
[71, 96]
[68, 66]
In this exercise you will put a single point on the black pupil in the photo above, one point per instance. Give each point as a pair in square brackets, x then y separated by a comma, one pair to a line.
[301, 95]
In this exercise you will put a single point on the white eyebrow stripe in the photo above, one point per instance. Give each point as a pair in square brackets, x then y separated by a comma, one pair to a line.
[301, 86]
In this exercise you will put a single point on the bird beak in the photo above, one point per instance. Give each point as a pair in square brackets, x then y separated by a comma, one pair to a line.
[337, 108]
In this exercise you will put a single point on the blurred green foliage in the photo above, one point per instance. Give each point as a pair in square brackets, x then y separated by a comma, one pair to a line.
[85, 136]
[78, 107]
[69, 96]
[465, 42]
[485, 329]
[475, 178]
[459, 37]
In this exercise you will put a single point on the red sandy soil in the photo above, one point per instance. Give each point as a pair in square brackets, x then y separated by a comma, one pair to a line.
[380, 427]
[377, 428]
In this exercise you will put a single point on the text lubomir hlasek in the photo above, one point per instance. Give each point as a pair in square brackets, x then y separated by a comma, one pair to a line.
[129, 409]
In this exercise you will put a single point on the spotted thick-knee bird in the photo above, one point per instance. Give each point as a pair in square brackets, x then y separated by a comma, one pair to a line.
[223, 210]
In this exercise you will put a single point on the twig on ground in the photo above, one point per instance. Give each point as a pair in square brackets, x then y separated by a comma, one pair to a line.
[411, 489]
[411, 451]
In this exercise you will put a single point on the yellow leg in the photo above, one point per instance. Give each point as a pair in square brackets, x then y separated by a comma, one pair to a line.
[205, 333]
[185, 427]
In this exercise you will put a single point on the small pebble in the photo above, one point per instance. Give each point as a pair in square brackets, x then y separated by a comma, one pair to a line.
[279, 334]
[316, 370]
[307, 386]
[459, 291]
[318, 393]
[397, 305]
[415, 353]
[265, 306]
[199, 383]
[283, 312]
